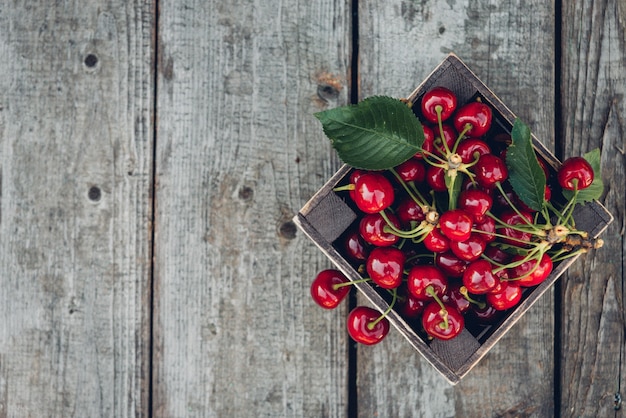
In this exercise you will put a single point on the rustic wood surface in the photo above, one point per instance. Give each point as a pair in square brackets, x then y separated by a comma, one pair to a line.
[153, 154]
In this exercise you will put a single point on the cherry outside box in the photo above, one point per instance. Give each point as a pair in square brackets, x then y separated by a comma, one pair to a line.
[327, 216]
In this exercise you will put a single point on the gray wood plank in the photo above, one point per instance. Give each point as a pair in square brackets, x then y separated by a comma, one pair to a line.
[238, 154]
[75, 164]
[400, 42]
[594, 111]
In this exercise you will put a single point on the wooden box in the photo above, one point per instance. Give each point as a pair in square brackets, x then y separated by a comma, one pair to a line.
[327, 216]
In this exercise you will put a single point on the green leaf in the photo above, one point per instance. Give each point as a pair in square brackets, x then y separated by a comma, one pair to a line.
[595, 190]
[378, 133]
[525, 174]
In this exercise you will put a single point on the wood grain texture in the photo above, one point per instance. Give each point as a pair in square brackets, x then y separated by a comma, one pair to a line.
[400, 42]
[594, 115]
[238, 154]
[75, 163]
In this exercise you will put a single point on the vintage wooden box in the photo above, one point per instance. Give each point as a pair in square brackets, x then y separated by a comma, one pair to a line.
[327, 216]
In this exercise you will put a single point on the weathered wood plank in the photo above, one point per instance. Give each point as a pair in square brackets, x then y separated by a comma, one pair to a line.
[594, 111]
[400, 42]
[238, 154]
[75, 162]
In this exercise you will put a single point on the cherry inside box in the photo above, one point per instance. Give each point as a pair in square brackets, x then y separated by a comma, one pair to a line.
[330, 215]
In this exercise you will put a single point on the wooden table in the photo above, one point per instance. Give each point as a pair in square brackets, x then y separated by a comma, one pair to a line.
[153, 153]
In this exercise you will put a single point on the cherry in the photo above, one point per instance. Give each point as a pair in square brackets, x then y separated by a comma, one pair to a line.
[435, 177]
[355, 246]
[488, 228]
[412, 170]
[422, 277]
[470, 149]
[470, 249]
[429, 141]
[473, 118]
[442, 321]
[329, 288]
[486, 314]
[409, 307]
[366, 326]
[385, 266]
[372, 229]
[455, 296]
[354, 175]
[373, 192]
[513, 218]
[497, 255]
[476, 203]
[408, 210]
[449, 135]
[531, 272]
[479, 278]
[450, 264]
[436, 242]
[506, 296]
[456, 224]
[490, 170]
[575, 173]
[438, 97]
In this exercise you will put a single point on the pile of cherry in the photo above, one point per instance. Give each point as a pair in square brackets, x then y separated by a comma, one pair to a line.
[443, 236]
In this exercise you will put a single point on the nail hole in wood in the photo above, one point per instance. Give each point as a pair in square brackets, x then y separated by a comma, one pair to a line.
[327, 91]
[442, 29]
[246, 193]
[91, 60]
[287, 230]
[94, 194]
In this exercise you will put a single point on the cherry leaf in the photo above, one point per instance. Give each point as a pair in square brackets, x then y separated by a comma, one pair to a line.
[525, 174]
[377, 133]
[596, 188]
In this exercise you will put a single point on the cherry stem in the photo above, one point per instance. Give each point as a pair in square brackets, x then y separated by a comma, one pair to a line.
[526, 221]
[439, 109]
[466, 295]
[495, 234]
[430, 291]
[347, 187]
[564, 254]
[532, 230]
[466, 128]
[390, 227]
[394, 294]
[338, 286]
[414, 194]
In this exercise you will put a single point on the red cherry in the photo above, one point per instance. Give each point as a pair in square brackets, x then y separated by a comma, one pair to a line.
[438, 96]
[455, 297]
[475, 115]
[488, 228]
[412, 170]
[575, 173]
[354, 175]
[450, 264]
[507, 296]
[470, 149]
[355, 246]
[385, 266]
[531, 272]
[449, 135]
[479, 278]
[475, 202]
[408, 210]
[324, 290]
[373, 192]
[421, 277]
[428, 145]
[456, 224]
[486, 314]
[497, 255]
[470, 249]
[443, 323]
[435, 177]
[409, 307]
[490, 170]
[365, 327]
[436, 242]
[515, 237]
[372, 230]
